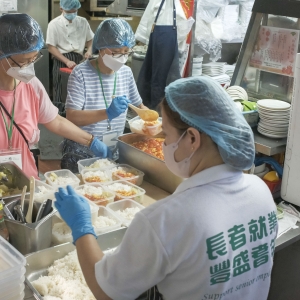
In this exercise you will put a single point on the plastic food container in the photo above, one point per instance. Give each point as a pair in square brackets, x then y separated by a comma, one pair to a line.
[11, 261]
[107, 195]
[99, 176]
[57, 237]
[122, 205]
[85, 163]
[135, 193]
[103, 211]
[154, 129]
[62, 173]
[137, 125]
[136, 178]
[43, 191]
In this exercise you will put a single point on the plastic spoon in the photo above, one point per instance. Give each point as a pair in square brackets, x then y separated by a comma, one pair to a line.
[147, 115]
[30, 205]
[23, 196]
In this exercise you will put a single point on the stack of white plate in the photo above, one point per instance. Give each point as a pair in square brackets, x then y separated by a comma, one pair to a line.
[274, 118]
[237, 92]
[197, 66]
[213, 69]
[229, 69]
[221, 79]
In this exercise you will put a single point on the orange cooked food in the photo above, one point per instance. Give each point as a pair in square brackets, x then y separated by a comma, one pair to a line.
[148, 123]
[151, 146]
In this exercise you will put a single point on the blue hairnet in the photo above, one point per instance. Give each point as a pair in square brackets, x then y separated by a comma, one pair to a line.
[70, 4]
[19, 34]
[204, 105]
[113, 33]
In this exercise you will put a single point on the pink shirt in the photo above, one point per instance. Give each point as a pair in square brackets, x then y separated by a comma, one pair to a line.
[32, 106]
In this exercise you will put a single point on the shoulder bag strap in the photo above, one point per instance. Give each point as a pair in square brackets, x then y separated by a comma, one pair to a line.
[19, 129]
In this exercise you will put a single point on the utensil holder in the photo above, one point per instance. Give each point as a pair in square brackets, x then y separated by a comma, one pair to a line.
[30, 237]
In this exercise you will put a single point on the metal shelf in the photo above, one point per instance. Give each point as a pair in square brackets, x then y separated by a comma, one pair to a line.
[268, 146]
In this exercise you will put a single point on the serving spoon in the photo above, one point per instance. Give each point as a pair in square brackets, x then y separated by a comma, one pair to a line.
[147, 115]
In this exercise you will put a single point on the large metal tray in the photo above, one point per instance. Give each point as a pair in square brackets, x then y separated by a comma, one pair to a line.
[19, 179]
[37, 263]
[156, 171]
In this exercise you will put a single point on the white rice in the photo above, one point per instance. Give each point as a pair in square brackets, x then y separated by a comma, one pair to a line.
[105, 176]
[128, 213]
[64, 281]
[101, 163]
[42, 191]
[90, 190]
[117, 186]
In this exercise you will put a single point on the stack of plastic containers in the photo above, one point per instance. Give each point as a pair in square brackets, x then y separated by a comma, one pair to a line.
[12, 272]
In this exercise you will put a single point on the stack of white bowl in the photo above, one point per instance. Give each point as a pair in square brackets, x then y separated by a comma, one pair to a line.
[197, 66]
[12, 272]
[274, 118]
[237, 93]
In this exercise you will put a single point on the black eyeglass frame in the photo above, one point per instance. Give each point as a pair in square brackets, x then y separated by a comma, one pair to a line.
[118, 55]
[38, 57]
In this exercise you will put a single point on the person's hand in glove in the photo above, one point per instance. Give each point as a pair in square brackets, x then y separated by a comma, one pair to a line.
[100, 149]
[117, 106]
[75, 211]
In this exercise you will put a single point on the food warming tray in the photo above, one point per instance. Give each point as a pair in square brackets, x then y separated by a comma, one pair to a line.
[37, 263]
[156, 171]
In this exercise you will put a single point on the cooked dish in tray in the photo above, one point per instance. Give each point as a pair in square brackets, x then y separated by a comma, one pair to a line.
[151, 146]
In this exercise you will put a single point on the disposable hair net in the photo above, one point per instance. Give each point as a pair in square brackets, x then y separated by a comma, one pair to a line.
[204, 105]
[70, 4]
[19, 34]
[113, 33]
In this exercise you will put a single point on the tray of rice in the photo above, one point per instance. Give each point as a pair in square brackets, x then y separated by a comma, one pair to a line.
[55, 273]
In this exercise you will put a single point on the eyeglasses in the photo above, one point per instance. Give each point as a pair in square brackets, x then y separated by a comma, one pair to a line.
[35, 59]
[118, 55]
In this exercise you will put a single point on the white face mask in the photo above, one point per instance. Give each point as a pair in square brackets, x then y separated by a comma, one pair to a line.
[114, 63]
[24, 74]
[181, 168]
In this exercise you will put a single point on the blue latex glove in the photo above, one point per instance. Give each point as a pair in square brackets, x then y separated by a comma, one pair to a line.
[75, 211]
[100, 149]
[117, 106]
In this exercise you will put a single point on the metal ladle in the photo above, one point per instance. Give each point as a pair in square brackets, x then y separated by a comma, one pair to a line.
[147, 115]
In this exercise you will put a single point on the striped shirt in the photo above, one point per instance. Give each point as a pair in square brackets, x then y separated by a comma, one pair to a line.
[85, 93]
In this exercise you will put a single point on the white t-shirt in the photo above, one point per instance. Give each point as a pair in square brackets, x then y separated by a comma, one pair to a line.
[214, 238]
[69, 37]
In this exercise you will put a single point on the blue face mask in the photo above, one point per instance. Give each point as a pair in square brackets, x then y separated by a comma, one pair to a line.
[70, 16]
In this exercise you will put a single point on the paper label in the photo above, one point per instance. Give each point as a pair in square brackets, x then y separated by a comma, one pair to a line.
[275, 50]
[13, 157]
[8, 5]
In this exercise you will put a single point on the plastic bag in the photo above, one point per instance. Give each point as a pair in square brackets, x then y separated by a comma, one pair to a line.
[205, 39]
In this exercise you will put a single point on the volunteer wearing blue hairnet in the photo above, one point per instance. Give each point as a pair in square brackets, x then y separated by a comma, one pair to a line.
[67, 37]
[24, 102]
[99, 90]
[214, 238]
